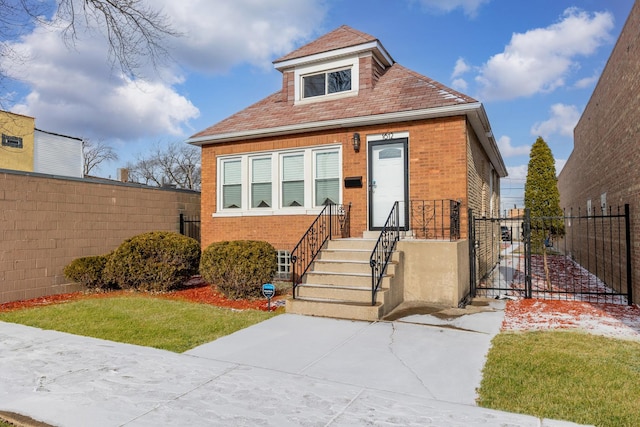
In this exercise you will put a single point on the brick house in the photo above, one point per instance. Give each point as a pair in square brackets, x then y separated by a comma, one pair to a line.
[349, 126]
[602, 171]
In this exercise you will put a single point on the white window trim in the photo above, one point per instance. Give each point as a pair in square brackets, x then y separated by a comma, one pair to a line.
[276, 183]
[250, 179]
[220, 180]
[352, 63]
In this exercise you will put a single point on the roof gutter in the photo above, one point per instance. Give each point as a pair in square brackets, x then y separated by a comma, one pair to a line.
[475, 113]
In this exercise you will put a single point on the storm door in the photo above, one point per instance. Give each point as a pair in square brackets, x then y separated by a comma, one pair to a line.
[388, 181]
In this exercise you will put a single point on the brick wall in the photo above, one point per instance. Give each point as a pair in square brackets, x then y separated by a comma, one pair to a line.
[46, 222]
[438, 151]
[606, 150]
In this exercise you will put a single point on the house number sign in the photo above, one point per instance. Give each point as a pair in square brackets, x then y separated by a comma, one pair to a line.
[387, 136]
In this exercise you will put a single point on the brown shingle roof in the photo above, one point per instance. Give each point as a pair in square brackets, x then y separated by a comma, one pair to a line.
[339, 38]
[398, 90]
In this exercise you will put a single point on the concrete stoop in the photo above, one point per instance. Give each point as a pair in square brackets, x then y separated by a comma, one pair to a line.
[338, 283]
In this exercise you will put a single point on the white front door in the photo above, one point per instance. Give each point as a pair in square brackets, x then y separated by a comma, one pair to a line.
[387, 181]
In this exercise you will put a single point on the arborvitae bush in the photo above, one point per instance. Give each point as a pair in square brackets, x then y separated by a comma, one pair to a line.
[89, 271]
[154, 261]
[542, 197]
[239, 268]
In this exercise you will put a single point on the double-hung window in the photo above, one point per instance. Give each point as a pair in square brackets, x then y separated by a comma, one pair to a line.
[261, 193]
[293, 180]
[232, 184]
[287, 182]
[327, 178]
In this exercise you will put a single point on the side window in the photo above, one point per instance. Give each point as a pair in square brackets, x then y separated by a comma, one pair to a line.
[231, 184]
[327, 178]
[11, 141]
[293, 180]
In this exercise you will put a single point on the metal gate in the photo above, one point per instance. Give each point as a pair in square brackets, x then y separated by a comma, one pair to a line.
[584, 257]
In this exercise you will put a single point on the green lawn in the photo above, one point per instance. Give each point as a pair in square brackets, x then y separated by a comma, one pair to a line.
[570, 376]
[138, 319]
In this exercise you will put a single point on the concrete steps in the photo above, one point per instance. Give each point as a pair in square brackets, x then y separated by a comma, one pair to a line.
[338, 283]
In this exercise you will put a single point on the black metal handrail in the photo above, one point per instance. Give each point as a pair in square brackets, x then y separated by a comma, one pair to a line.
[383, 249]
[331, 221]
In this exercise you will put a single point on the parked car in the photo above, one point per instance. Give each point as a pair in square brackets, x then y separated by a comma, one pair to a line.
[506, 233]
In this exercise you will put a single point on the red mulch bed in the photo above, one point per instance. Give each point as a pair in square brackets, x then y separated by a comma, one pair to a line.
[196, 290]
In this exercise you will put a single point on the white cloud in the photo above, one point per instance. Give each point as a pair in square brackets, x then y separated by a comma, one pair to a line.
[459, 84]
[518, 173]
[460, 68]
[541, 59]
[74, 91]
[587, 81]
[563, 119]
[218, 35]
[559, 165]
[78, 92]
[507, 150]
[469, 7]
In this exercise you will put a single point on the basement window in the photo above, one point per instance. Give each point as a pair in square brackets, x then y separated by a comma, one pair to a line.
[284, 265]
[11, 141]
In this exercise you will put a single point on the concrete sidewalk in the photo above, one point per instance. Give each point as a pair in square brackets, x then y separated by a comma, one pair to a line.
[290, 370]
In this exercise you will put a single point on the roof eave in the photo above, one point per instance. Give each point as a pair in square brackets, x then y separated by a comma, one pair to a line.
[374, 46]
[480, 124]
[475, 113]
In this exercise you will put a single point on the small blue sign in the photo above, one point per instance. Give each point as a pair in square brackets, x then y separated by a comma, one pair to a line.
[268, 290]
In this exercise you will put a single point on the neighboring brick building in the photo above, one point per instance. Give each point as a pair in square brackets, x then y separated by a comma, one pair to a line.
[268, 170]
[602, 171]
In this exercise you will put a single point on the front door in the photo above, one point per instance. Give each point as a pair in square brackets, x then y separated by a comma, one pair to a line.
[388, 180]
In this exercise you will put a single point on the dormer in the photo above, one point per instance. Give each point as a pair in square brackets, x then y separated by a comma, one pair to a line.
[340, 64]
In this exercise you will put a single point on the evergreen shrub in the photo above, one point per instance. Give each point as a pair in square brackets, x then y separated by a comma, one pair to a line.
[239, 268]
[89, 272]
[155, 261]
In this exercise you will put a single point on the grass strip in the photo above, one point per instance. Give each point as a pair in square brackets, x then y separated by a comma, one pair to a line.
[138, 319]
[570, 376]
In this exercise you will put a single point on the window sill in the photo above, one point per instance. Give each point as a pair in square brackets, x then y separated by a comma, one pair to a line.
[267, 212]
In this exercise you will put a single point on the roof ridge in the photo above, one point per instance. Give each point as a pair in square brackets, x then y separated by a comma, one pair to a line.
[341, 37]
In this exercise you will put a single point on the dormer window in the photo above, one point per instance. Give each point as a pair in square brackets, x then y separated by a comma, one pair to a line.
[326, 80]
[326, 83]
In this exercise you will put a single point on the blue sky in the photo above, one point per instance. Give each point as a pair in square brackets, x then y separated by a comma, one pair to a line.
[532, 64]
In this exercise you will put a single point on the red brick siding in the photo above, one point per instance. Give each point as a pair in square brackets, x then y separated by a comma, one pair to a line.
[437, 168]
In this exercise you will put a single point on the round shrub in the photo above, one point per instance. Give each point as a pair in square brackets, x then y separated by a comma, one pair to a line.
[155, 261]
[89, 272]
[239, 268]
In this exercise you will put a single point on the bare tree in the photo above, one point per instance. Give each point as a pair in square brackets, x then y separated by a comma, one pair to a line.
[133, 30]
[96, 153]
[174, 164]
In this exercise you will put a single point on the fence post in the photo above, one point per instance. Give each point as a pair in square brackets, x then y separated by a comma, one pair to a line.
[472, 253]
[528, 292]
[331, 205]
[627, 224]
[182, 224]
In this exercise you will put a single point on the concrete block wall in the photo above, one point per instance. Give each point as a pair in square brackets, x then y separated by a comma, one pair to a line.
[47, 221]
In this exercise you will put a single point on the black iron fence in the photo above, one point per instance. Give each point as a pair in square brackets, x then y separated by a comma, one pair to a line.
[190, 226]
[578, 256]
[435, 219]
[333, 221]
